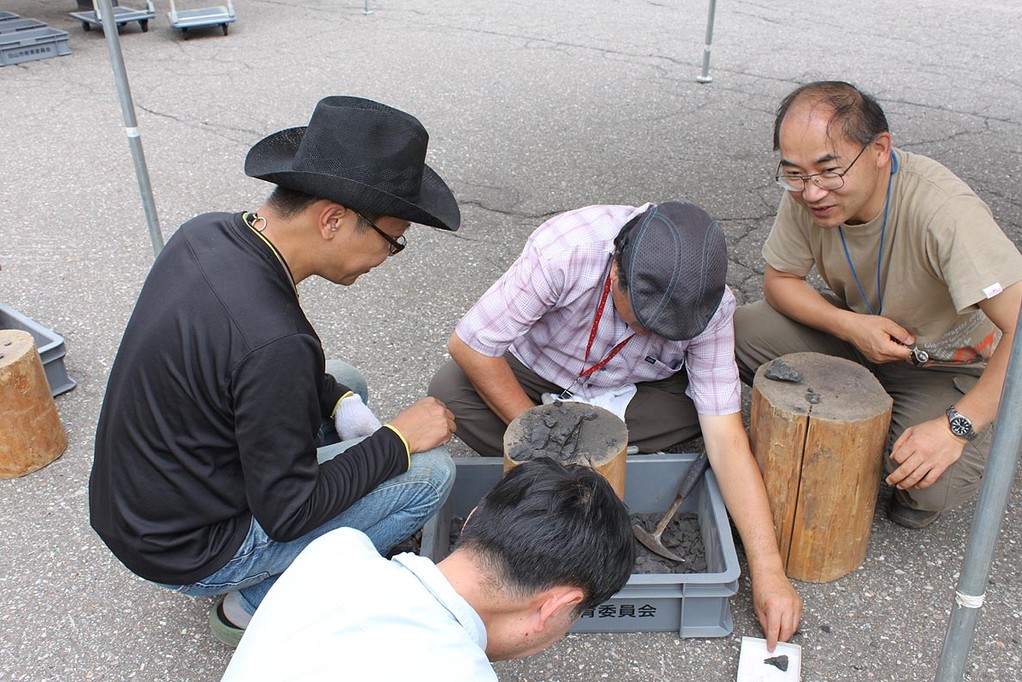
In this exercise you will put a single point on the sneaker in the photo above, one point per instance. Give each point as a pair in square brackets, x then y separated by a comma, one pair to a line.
[906, 516]
[223, 629]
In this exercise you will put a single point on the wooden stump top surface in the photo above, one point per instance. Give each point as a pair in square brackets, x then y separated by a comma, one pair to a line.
[830, 387]
[14, 343]
[569, 432]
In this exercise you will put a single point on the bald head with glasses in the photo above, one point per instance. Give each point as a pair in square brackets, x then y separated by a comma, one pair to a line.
[835, 153]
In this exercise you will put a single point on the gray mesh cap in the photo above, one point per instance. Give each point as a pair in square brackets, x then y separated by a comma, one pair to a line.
[674, 263]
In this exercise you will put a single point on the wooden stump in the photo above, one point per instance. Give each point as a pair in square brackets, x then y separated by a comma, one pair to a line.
[31, 435]
[571, 433]
[820, 443]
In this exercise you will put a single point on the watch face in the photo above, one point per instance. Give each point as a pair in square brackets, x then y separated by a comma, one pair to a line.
[960, 426]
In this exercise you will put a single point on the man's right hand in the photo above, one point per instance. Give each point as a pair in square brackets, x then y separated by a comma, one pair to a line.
[425, 425]
[878, 338]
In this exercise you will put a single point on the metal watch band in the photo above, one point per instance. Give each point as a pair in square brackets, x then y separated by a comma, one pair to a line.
[953, 415]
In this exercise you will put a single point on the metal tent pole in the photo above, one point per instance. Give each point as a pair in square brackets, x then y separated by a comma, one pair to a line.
[986, 524]
[705, 77]
[105, 10]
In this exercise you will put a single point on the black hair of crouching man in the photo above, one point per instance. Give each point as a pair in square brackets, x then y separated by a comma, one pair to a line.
[547, 543]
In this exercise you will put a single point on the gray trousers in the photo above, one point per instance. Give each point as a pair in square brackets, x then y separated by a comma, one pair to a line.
[763, 334]
[660, 414]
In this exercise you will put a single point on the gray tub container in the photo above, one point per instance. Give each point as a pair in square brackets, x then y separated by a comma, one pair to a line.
[691, 604]
[12, 25]
[49, 344]
[17, 47]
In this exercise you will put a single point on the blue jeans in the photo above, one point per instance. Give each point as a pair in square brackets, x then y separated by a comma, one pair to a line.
[388, 514]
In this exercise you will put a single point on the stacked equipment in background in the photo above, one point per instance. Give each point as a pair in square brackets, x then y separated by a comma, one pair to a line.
[26, 40]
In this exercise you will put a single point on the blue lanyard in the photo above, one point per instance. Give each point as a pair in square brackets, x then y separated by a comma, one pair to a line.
[880, 251]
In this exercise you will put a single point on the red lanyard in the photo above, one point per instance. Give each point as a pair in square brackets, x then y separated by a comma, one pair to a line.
[592, 336]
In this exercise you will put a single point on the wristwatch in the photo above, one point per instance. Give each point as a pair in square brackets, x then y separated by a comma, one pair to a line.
[959, 424]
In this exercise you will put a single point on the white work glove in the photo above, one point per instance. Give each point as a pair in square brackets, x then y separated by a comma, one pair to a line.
[353, 419]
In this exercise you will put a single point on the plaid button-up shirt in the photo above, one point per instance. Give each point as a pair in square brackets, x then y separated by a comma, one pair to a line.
[543, 308]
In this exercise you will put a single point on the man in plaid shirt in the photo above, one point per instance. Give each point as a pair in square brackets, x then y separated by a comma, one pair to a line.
[607, 305]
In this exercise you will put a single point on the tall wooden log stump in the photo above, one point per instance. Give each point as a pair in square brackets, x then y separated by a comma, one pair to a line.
[31, 435]
[571, 433]
[819, 429]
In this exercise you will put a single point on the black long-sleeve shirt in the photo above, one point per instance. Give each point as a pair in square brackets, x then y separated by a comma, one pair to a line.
[212, 409]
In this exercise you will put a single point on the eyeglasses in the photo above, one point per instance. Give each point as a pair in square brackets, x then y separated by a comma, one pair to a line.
[827, 180]
[397, 245]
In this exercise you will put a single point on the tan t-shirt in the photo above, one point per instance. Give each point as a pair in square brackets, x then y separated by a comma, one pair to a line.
[942, 254]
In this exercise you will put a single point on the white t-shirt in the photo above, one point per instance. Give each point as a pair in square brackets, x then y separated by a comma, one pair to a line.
[343, 612]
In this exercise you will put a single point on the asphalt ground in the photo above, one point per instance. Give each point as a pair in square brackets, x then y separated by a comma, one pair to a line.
[533, 108]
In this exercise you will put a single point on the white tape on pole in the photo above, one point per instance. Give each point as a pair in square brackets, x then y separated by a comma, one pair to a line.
[969, 601]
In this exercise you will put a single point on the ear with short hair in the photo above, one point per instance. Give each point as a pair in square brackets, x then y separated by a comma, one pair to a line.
[329, 217]
[555, 602]
[615, 276]
[882, 143]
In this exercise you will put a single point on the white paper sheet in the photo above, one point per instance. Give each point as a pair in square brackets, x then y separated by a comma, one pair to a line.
[751, 666]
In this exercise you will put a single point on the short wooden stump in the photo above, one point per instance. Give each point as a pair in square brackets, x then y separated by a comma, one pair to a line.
[31, 435]
[571, 433]
[819, 442]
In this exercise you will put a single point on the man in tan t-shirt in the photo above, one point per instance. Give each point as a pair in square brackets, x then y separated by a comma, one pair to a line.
[925, 289]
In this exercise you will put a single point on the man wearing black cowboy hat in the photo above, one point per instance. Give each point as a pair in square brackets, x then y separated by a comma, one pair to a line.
[625, 308]
[212, 470]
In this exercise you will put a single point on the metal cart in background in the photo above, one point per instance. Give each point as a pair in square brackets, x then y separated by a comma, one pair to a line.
[122, 15]
[186, 19]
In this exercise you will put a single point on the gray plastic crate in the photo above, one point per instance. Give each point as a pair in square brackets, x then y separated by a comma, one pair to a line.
[27, 46]
[6, 16]
[691, 604]
[87, 4]
[50, 346]
[12, 25]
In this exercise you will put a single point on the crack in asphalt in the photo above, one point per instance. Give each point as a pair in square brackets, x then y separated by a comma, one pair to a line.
[543, 216]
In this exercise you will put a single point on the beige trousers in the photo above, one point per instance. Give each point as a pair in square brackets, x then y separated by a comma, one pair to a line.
[659, 415]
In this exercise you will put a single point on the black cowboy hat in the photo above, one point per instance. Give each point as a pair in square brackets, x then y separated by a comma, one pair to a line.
[362, 154]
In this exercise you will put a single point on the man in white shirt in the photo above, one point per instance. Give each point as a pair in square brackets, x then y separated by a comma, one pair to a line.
[548, 542]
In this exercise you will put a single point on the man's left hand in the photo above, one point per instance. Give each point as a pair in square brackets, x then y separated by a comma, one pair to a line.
[924, 452]
[778, 607]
